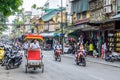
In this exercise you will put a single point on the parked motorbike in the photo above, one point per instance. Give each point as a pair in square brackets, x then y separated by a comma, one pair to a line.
[47, 47]
[58, 55]
[81, 59]
[1, 53]
[71, 50]
[14, 60]
[113, 57]
[6, 56]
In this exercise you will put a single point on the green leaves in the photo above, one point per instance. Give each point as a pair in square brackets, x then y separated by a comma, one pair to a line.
[3, 28]
[8, 7]
[34, 6]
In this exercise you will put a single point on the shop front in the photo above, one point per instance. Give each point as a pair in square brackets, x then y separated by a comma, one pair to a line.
[111, 30]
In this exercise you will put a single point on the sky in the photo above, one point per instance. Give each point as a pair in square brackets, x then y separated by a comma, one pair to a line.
[28, 3]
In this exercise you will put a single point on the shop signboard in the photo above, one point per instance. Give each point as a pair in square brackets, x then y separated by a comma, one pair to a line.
[109, 25]
[81, 21]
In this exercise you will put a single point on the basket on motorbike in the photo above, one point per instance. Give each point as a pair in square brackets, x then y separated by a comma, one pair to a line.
[34, 56]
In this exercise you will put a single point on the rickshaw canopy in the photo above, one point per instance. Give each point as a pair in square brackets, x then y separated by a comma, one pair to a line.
[34, 36]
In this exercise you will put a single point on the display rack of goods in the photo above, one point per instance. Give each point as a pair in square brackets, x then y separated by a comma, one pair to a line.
[117, 41]
[111, 41]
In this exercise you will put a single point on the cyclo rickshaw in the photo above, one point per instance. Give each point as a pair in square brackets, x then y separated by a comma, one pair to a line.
[34, 56]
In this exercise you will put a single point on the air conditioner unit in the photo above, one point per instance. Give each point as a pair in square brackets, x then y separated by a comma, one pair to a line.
[107, 9]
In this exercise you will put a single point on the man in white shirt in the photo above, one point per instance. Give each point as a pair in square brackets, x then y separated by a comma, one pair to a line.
[34, 45]
[58, 46]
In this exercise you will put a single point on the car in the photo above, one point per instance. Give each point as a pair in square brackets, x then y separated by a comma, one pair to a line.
[66, 48]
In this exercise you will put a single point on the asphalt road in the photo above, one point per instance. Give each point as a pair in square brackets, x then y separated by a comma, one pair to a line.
[65, 70]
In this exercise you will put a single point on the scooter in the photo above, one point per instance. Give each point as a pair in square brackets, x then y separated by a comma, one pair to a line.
[1, 53]
[70, 50]
[81, 59]
[6, 56]
[58, 55]
[14, 60]
[47, 47]
[113, 57]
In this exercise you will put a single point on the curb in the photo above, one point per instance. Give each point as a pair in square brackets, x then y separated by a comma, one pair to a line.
[94, 61]
[104, 63]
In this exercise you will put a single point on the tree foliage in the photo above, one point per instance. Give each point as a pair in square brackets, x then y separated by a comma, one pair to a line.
[3, 27]
[9, 7]
[34, 6]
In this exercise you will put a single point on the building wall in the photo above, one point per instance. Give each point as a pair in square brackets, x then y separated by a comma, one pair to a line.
[84, 10]
[102, 9]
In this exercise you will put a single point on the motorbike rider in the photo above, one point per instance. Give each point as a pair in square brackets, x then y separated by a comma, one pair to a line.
[58, 46]
[80, 51]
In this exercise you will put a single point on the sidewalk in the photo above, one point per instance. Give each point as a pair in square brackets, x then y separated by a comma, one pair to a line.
[96, 60]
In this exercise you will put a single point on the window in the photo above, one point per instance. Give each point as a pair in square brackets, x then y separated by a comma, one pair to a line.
[118, 5]
[83, 15]
[78, 16]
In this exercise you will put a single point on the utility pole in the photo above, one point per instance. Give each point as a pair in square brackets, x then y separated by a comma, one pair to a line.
[62, 36]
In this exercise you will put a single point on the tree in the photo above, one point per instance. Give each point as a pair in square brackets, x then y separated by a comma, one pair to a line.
[9, 7]
[3, 28]
[34, 6]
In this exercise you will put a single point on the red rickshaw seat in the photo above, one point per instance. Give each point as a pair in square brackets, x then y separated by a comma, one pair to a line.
[34, 54]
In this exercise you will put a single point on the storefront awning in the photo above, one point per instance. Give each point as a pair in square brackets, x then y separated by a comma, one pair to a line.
[51, 34]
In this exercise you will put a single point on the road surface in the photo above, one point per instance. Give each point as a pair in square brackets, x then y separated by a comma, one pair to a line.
[65, 70]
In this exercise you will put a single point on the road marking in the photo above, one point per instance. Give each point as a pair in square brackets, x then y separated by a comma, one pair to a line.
[95, 77]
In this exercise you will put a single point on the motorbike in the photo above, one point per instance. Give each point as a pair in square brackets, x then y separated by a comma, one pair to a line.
[47, 47]
[113, 57]
[70, 50]
[6, 56]
[1, 54]
[58, 55]
[14, 60]
[81, 59]
[109, 58]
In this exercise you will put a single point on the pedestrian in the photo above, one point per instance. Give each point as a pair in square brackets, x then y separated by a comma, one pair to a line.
[105, 50]
[95, 53]
[25, 47]
[91, 48]
[102, 51]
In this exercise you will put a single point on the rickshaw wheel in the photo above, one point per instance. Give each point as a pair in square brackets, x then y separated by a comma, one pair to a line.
[26, 66]
[26, 70]
[42, 67]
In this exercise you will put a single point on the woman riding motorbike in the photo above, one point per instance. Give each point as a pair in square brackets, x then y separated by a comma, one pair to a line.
[80, 52]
